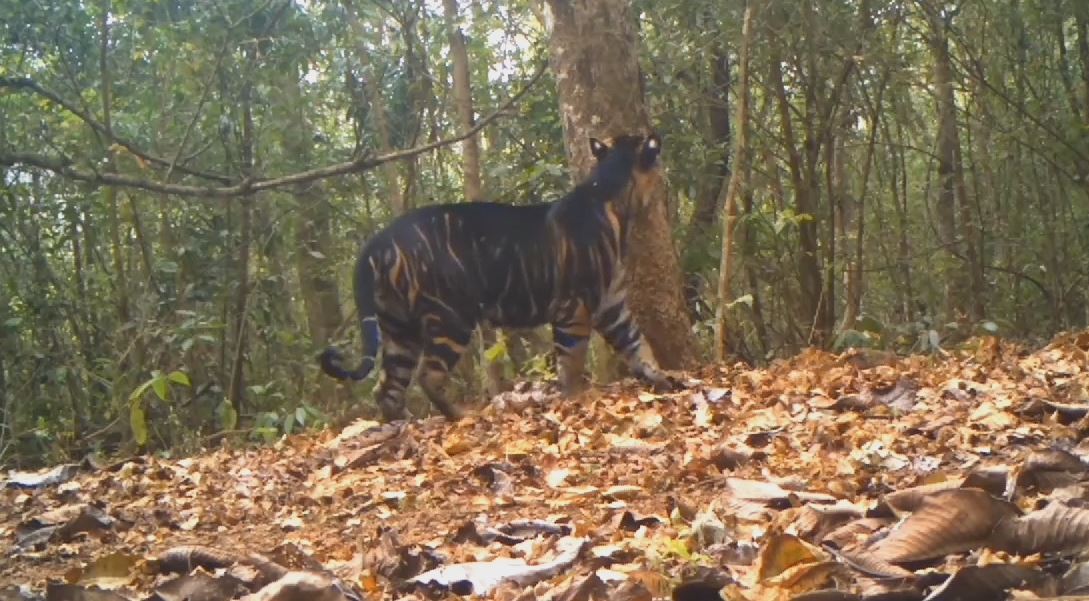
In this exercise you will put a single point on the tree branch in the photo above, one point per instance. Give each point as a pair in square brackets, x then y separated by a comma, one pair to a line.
[24, 84]
[65, 168]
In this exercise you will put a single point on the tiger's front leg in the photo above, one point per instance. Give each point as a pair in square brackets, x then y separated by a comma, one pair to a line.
[617, 326]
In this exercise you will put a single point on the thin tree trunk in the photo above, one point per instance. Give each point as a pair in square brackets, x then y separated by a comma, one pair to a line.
[237, 390]
[313, 242]
[854, 283]
[463, 99]
[372, 91]
[809, 271]
[713, 189]
[594, 54]
[964, 293]
[1081, 14]
[146, 255]
[470, 162]
[734, 190]
[109, 193]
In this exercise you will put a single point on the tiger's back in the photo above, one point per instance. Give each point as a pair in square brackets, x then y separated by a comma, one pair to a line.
[483, 260]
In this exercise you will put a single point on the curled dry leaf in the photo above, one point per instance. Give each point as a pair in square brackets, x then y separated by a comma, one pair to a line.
[983, 583]
[784, 551]
[1076, 580]
[46, 477]
[1057, 528]
[631, 590]
[199, 585]
[60, 525]
[756, 490]
[480, 577]
[813, 521]
[303, 586]
[872, 589]
[1050, 469]
[582, 589]
[868, 563]
[855, 533]
[907, 500]
[947, 521]
[799, 579]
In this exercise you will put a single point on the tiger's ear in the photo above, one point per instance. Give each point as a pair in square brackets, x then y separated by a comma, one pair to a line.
[652, 147]
[599, 149]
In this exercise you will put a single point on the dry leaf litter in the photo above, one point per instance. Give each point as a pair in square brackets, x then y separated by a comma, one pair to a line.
[825, 477]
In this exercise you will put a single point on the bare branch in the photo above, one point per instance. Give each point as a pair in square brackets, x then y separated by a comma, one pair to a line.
[27, 84]
[66, 168]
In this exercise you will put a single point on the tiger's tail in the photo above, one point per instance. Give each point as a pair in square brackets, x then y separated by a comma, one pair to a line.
[331, 359]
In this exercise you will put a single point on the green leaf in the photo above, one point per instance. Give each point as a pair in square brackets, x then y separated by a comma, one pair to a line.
[138, 422]
[178, 378]
[140, 390]
[300, 415]
[496, 352]
[161, 387]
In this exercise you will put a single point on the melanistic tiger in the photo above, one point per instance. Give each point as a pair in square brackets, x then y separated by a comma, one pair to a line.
[425, 281]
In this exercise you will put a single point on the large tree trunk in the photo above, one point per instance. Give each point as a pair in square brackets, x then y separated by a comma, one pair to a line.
[595, 58]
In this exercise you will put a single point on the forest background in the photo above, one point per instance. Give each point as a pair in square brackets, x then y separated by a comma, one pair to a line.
[186, 185]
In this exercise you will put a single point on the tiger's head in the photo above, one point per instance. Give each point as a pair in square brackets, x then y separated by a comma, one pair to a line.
[643, 151]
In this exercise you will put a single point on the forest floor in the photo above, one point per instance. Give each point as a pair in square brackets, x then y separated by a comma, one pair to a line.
[958, 475]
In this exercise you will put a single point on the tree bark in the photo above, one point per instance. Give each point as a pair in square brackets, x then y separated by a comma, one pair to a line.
[313, 242]
[463, 99]
[372, 92]
[733, 191]
[964, 293]
[470, 165]
[109, 193]
[1081, 15]
[594, 53]
[808, 263]
[237, 389]
[706, 204]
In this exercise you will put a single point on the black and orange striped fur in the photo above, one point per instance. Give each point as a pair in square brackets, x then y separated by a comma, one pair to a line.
[423, 283]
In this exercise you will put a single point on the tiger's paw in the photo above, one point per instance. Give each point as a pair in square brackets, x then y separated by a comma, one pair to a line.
[664, 381]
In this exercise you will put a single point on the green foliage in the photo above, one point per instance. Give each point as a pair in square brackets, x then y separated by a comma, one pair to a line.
[160, 384]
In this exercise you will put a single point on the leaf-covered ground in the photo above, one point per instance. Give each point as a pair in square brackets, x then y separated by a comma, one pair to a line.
[861, 475]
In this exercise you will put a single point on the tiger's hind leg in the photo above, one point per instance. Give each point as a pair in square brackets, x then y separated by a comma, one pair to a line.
[570, 339]
[446, 340]
[399, 358]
